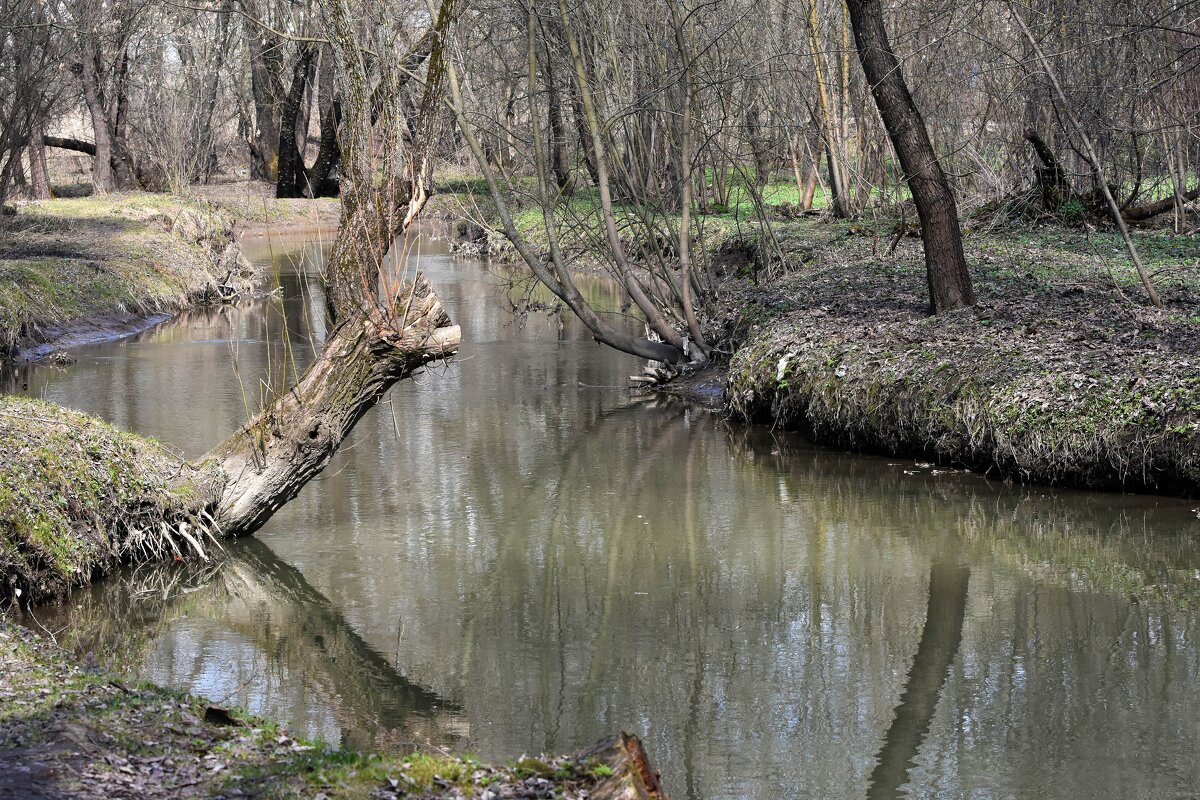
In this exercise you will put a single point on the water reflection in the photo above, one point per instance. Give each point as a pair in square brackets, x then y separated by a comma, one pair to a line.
[556, 561]
[939, 644]
[251, 631]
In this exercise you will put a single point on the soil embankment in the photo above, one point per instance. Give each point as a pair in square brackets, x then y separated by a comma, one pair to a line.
[92, 268]
[1059, 375]
[102, 266]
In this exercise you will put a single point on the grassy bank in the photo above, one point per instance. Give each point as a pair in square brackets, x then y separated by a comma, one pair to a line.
[1062, 374]
[76, 268]
[78, 497]
[73, 265]
[252, 203]
[67, 730]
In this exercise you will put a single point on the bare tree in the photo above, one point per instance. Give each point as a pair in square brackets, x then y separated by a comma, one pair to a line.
[28, 88]
[389, 323]
[945, 263]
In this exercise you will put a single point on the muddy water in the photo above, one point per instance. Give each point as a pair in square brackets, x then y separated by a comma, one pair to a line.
[506, 559]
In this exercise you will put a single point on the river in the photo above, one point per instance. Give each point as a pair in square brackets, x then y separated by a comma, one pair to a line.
[510, 556]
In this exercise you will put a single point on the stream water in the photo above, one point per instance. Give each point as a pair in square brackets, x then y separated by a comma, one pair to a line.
[509, 556]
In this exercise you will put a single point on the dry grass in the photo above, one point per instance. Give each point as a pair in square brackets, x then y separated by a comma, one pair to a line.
[67, 263]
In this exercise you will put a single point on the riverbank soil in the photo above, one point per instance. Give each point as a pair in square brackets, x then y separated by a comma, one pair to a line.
[1063, 373]
[79, 497]
[79, 269]
[70, 730]
[97, 264]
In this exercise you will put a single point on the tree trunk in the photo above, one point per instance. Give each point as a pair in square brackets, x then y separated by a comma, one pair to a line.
[316, 178]
[39, 171]
[290, 180]
[124, 167]
[582, 134]
[1177, 198]
[945, 263]
[266, 463]
[812, 174]
[559, 162]
[104, 180]
[630, 775]
[838, 191]
[267, 91]
[1051, 178]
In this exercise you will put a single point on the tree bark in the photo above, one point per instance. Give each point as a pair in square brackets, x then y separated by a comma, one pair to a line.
[291, 179]
[266, 89]
[945, 263]
[104, 180]
[631, 775]
[124, 167]
[257, 470]
[838, 189]
[1160, 206]
[316, 178]
[1051, 178]
[384, 332]
[559, 162]
[39, 171]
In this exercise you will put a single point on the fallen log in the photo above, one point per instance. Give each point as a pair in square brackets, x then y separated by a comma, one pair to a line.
[1158, 207]
[67, 143]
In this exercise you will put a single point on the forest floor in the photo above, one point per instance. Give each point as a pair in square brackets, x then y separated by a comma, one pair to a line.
[68, 729]
[1063, 373]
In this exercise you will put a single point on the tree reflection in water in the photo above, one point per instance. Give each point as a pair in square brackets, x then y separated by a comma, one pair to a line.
[298, 636]
[939, 644]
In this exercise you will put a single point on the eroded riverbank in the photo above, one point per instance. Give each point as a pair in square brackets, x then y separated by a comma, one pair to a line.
[1054, 377]
[80, 270]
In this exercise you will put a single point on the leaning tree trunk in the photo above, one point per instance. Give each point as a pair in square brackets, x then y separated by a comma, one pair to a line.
[945, 263]
[385, 331]
[266, 463]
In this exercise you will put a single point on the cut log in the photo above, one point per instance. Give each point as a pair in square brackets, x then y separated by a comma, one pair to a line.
[632, 776]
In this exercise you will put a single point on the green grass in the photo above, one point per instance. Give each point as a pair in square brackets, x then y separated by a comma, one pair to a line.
[71, 488]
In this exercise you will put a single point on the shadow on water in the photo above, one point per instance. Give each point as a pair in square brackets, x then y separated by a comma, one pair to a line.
[935, 653]
[270, 607]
